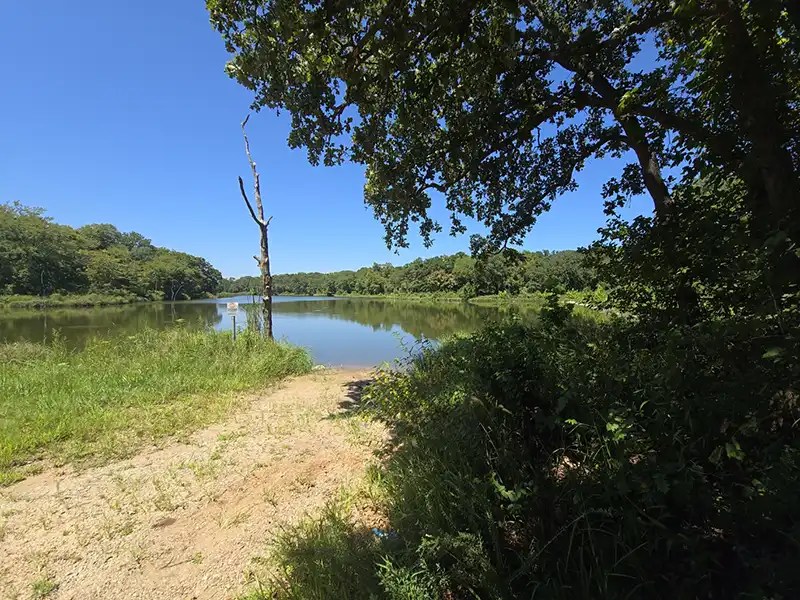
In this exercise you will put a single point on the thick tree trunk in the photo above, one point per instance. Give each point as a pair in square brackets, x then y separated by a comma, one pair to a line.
[755, 101]
[770, 171]
[686, 300]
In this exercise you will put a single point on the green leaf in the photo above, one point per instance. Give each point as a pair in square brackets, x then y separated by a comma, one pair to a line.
[661, 483]
[734, 451]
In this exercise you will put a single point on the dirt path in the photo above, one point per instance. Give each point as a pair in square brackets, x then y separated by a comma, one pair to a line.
[187, 520]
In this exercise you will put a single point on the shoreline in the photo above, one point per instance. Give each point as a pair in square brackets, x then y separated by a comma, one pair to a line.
[40, 303]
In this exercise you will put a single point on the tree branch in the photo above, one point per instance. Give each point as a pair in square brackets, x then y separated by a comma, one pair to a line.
[719, 144]
[247, 201]
[256, 181]
[352, 61]
[636, 27]
[523, 217]
[526, 126]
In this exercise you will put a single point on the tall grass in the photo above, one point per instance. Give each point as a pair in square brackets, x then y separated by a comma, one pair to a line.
[578, 459]
[120, 393]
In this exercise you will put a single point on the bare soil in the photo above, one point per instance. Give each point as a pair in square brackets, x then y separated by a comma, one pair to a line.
[187, 520]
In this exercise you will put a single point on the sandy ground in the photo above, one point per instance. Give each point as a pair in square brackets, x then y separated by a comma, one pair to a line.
[187, 520]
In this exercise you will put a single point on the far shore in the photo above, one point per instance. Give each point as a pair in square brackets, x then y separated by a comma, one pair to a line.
[58, 300]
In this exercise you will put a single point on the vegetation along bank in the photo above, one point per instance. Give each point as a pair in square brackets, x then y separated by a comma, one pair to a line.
[121, 393]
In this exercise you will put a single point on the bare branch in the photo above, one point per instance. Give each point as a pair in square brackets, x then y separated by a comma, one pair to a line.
[256, 182]
[247, 201]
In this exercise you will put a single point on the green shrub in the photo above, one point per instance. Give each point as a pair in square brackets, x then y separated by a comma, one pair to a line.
[581, 459]
[602, 460]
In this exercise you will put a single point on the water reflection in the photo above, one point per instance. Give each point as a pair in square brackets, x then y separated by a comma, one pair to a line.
[346, 331]
[77, 325]
[431, 321]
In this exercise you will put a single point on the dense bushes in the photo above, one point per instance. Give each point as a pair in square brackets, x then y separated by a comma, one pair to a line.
[591, 460]
[709, 263]
[598, 461]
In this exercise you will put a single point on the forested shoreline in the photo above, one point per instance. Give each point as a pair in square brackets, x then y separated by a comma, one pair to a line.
[43, 263]
[46, 263]
[456, 275]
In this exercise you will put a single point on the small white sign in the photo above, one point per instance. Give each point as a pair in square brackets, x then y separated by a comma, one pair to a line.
[233, 308]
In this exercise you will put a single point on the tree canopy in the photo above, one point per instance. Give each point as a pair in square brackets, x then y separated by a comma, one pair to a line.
[496, 104]
[39, 257]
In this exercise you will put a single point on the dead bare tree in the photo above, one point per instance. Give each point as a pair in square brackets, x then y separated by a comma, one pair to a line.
[263, 225]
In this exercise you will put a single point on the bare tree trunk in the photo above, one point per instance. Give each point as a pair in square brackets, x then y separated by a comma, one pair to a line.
[263, 226]
[266, 281]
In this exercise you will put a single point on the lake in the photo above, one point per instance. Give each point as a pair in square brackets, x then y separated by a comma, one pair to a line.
[337, 331]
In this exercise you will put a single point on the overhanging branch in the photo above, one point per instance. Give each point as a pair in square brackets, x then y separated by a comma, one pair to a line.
[720, 145]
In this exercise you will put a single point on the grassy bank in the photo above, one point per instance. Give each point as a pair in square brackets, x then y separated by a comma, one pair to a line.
[67, 300]
[536, 299]
[578, 459]
[119, 394]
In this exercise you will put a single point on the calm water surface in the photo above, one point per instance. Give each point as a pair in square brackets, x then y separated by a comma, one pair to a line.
[337, 331]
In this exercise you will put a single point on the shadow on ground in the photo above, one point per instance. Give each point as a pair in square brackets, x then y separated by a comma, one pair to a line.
[353, 402]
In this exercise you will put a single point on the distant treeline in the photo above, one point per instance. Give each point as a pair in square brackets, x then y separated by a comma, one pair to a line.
[511, 271]
[40, 257]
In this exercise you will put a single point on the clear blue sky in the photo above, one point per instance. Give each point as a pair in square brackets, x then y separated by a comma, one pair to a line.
[120, 112]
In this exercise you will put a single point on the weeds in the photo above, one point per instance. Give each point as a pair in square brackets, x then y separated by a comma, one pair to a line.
[578, 459]
[121, 393]
[42, 588]
[323, 557]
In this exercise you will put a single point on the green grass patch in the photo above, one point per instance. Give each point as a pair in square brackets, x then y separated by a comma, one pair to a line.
[44, 587]
[66, 300]
[120, 393]
[323, 556]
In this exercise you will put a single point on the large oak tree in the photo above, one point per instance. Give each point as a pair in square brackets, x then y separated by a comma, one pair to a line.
[496, 104]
